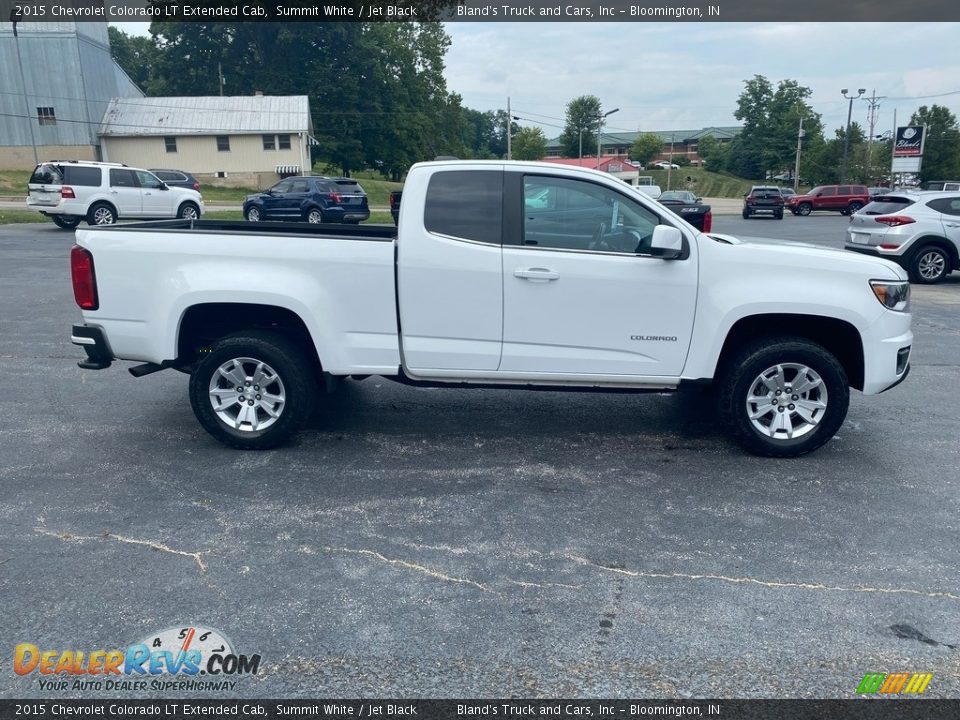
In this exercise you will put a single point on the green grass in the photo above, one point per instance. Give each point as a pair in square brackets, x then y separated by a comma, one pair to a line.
[705, 183]
[14, 182]
[8, 217]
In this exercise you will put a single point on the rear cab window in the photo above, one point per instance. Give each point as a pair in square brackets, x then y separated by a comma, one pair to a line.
[466, 204]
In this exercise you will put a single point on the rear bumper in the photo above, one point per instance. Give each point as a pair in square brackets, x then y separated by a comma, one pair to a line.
[94, 342]
[899, 256]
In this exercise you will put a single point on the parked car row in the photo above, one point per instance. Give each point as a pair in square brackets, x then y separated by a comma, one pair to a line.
[310, 199]
[69, 192]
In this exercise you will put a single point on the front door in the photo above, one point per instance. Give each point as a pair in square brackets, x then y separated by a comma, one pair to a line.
[583, 296]
[275, 198]
[156, 202]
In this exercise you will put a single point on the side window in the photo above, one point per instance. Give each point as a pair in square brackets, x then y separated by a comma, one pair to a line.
[947, 206]
[844, 190]
[570, 214]
[83, 176]
[147, 180]
[466, 204]
[830, 191]
[282, 187]
[122, 178]
[299, 186]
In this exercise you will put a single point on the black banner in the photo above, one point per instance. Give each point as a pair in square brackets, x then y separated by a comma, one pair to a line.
[33, 11]
[860, 709]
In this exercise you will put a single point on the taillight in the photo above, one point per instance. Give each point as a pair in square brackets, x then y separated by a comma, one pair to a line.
[66, 192]
[708, 222]
[84, 280]
[393, 201]
[894, 220]
[335, 197]
[196, 186]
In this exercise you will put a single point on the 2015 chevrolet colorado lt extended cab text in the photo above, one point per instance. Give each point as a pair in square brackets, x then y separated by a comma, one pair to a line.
[498, 274]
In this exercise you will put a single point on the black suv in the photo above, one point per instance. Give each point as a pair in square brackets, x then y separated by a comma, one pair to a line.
[311, 199]
[763, 199]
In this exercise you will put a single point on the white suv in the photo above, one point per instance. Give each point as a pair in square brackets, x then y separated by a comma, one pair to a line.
[101, 193]
[920, 231]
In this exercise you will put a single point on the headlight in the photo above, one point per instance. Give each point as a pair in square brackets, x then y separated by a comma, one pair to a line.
[893, 295]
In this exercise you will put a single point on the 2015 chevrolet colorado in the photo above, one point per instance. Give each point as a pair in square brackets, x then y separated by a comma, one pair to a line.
[499, 274]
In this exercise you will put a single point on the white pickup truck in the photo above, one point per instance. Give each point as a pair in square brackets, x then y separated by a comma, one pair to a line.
[498, 274]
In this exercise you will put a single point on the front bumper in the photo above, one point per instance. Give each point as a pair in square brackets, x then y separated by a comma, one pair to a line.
[94, 341]
[886, 352]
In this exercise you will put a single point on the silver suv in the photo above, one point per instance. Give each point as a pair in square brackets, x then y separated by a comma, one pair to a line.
[70, 191]
[920, 231]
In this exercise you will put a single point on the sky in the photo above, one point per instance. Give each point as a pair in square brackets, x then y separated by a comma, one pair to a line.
[682, 76]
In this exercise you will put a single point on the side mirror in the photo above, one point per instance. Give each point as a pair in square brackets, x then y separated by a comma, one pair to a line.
[697, 199]
[164, 186]
[666, 243]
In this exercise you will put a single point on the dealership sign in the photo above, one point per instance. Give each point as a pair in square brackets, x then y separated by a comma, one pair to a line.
[909, 142]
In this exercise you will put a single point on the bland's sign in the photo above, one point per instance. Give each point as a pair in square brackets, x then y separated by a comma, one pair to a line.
[909, 142]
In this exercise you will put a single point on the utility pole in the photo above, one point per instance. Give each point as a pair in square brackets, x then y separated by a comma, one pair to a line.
[796, 167]
[220, 75]
[893, 151]
[874, 102]
[670, 163]
[26, 102]
[509, 130]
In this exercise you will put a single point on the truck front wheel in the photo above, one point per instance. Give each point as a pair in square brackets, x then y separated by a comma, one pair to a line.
[783, 397]
[253, 390]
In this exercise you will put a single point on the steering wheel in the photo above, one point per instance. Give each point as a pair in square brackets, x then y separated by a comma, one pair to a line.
[596, 240]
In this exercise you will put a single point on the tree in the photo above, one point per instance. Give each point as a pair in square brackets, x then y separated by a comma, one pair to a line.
[941, 147]
[712, 152]
[582, 115]
[134, 54]
[645, 148]
[771, 120]
[529, 144]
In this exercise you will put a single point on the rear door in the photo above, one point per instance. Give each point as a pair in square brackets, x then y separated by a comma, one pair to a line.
[449, 273]
[125, 192]
[580, 295]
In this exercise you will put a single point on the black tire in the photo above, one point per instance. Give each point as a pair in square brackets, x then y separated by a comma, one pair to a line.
[101, 213]
[929, 265]
[314, 215]
[189, 211]
[804, 209]
[253, 214]
[66, 222]
[853, 207]
[740, 376]
[297, 385]
[746, 214]
[778, 215]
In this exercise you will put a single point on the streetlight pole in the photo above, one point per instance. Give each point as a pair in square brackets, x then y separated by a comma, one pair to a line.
[846, 135]
[580, 156]
[600, 130]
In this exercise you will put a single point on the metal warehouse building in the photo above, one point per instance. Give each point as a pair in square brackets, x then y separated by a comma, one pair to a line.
[56, 81]
[247, 140]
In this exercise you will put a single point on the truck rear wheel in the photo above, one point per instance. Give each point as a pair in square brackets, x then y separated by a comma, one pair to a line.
[783, 397]
[253, 390]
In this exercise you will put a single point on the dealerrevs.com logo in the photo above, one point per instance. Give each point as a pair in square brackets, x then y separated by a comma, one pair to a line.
[174, 659]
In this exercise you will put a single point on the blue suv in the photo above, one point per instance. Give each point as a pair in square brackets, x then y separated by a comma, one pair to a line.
[310, 199]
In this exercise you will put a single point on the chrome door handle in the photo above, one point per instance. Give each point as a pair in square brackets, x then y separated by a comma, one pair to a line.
[113, 192]
[544, 274]
[952, 224]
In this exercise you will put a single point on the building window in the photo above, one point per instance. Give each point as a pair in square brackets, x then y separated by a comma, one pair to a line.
[170, 143]
[283, 142]
[269, 143]
[46, 116]
[223, 143]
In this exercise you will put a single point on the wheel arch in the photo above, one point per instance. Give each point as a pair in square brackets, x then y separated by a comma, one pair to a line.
[839, 337]
[941, 242]
[188, 201]
[101, 201]
[204, 323]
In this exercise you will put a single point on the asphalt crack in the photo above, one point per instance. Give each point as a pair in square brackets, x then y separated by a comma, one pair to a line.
[763, 583]
[196, 556]
[436, 574]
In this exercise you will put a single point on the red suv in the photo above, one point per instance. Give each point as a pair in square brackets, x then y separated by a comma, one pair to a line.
[845, 198]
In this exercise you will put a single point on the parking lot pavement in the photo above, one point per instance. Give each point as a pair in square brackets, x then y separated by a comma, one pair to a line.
[431, 543]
